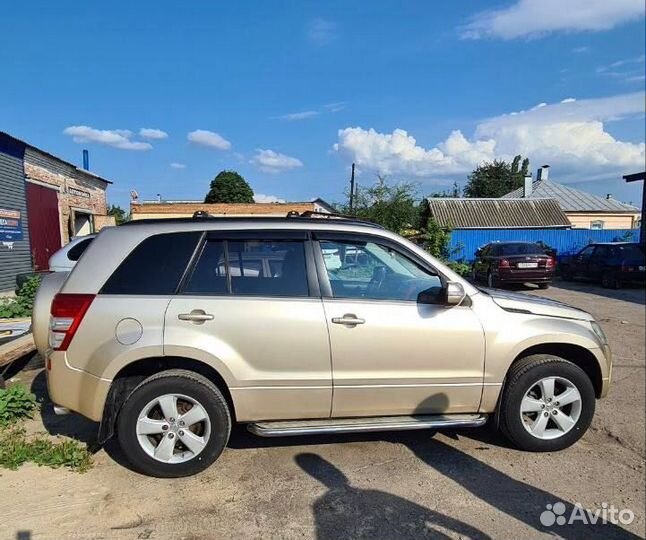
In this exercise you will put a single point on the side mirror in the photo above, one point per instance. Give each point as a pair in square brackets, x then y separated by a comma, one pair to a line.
[455, 293]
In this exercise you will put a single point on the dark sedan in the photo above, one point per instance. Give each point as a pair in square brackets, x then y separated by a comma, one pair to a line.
[612, 264]
[498, 263]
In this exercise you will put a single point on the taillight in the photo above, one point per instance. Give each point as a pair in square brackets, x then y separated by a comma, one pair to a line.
[550, 263]
[503, 263]
[67, 313]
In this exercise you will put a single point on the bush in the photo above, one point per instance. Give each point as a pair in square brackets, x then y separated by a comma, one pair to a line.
[23, 303]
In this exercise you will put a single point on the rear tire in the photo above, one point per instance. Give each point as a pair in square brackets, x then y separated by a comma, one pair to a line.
[158, 436]
[544, 285]
[536, 421]
[610, 281]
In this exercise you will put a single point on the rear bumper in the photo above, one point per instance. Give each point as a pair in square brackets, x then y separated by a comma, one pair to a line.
[522, 276]
[74, 389]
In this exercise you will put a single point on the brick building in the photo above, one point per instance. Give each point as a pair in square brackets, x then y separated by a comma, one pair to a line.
[44, 201]
[174, 209]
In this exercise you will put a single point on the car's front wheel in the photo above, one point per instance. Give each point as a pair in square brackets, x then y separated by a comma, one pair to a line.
[174, 423]
[547, 405]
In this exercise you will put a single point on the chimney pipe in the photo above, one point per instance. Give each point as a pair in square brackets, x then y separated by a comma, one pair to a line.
[528, 187]
[608, 196]
[543, 173]
[86, 160]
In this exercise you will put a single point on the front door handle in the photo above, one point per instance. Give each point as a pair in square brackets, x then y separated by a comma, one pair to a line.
[197, 316]
[349, 319]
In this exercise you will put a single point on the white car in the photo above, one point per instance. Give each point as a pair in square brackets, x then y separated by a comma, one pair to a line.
[65, 258]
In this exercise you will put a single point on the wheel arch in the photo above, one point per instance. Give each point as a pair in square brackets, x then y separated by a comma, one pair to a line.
[577, 354]
[130, 375]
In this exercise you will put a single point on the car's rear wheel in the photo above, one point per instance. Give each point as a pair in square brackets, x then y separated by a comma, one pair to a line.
[544, 285]
[175, 423]
[610, 281]
[547, 405]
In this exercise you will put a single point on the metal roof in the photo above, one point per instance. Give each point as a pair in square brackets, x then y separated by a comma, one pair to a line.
[573, 200]
[463, 213]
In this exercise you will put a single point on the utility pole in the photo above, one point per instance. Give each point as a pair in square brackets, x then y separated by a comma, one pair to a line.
[352, 191]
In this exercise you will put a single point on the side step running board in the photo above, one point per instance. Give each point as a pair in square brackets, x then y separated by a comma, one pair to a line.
[356, 425]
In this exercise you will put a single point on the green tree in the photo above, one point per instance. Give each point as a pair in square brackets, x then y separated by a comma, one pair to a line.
[229, 187]
[120, 215]
[393, 206]
[497, 178]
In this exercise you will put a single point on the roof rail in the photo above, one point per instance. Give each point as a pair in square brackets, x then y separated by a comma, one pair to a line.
[314, 214]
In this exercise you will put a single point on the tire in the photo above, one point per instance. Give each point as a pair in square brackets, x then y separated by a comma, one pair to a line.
[544, 285]
[523, 380]
[608, 281]
[207, 437]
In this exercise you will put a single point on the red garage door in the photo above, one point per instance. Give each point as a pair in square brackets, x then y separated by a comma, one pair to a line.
[44, 224]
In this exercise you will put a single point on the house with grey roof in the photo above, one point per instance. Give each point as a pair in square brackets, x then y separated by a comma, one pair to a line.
[584, 210]
[516, 213]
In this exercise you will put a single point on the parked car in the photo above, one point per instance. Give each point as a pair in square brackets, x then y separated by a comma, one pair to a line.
[159, 334]
[612, 264]
[66, 257]
[499, 263]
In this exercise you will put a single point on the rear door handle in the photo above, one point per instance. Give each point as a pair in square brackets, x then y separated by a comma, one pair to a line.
[197, 316]
[349, 319]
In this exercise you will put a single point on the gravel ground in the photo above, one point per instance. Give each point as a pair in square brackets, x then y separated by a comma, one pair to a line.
[466, 484]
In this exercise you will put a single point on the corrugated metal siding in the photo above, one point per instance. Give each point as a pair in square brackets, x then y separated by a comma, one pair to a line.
[464, 243]
[496, 213]
[12, 196]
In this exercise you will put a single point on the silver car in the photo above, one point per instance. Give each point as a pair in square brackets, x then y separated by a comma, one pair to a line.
[168, 332]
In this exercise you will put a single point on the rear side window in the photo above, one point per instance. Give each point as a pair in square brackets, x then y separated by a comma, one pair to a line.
[155, 266]
[268, 268]
[75, 252]
[250, 268]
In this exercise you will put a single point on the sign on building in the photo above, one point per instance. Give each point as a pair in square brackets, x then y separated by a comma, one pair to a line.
[10, 225]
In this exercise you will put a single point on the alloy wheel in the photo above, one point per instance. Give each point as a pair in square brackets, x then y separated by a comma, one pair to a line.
[550, 408]
[173, 428]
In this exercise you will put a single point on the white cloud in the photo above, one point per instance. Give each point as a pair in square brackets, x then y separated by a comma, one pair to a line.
[203, 137]
[116, 138]
[176, 165]
[273, 162]
[151, 133]
[321, 31]
[262, 198]
[532, 18]
[569, 135]
[304, 115]
[335, 107]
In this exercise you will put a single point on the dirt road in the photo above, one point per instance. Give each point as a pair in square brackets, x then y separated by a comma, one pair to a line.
[466, 484]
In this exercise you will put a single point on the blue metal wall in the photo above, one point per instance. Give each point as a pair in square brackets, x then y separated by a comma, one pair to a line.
[465, 242]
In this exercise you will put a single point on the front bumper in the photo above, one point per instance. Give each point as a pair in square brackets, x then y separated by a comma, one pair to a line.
[74, 389]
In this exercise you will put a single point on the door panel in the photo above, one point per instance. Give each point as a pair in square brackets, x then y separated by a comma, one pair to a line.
[406, 358]
[274, 353]
[44, 224]
[392, 354]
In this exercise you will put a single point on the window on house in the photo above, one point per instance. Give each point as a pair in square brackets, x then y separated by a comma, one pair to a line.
[597, 224]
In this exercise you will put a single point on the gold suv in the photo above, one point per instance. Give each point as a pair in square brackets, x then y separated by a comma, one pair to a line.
[167, 332]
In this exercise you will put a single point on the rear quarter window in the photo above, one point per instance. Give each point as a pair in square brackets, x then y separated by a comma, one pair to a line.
[155, 266]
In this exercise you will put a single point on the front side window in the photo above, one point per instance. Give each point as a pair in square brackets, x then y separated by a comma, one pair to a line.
[250, 267]
[373, 271]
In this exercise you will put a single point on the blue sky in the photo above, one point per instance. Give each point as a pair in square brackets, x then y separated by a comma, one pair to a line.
[290, 93]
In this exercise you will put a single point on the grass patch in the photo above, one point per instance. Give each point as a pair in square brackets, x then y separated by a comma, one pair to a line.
[18, 404]
[16, 449]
